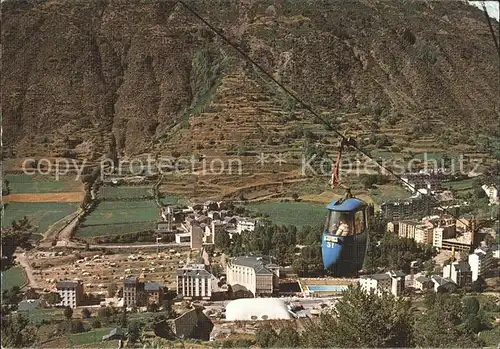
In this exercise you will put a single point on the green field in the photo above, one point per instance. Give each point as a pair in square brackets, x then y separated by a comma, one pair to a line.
[388, 192]
[116, 212]
[119, 217]
[40, 214]
[88, 231]
[93, 336]
[13, 277]
[36, 316]
[24, 184]
[125, 192]
[299, 214]
[466, 184]
[171, 200]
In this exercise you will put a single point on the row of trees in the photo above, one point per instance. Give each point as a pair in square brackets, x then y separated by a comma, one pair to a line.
[367, 320]
[280, 242]
[18, 234]
[301, 248]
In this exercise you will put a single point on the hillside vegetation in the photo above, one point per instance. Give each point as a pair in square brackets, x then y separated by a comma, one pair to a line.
[75, 74]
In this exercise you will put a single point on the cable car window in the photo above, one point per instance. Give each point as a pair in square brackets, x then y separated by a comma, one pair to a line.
[340, 223]
[332, 221]
[359, 222]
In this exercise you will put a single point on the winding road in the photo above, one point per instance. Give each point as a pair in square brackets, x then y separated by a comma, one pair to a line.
[24, 262]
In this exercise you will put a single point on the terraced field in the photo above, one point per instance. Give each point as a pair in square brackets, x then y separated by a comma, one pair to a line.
[23, 184]
[40, 214]
[13, 277]
[125, 192]
[119, 217]
[292, 213]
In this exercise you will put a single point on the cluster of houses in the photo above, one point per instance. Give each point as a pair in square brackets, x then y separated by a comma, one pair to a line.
[455, 274]
[198, 224]
[444, 233]
[423, 184]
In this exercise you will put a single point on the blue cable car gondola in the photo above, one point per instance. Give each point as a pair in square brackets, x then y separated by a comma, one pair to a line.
[345, 235]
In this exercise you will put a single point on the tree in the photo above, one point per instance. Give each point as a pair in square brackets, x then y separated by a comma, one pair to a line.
[479, 285]
[222, 241]
[134, 331]
[12, 296]
[96, 323]
[471, 306]
[123, 318]
[441, 323]
[295, 196]
[17, 235]
[362, 319]
[85, 313]
[77, 326]
[265, 336]
[105, 312]
[68, 313]
[52, 298]
[288, 338]
[17, 332]
[153, 307]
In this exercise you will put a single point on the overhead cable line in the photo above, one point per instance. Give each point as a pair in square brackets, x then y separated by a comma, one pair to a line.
[306, 106]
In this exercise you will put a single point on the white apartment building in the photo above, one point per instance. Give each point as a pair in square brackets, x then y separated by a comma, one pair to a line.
[480, 262]
[257, 274]
[390, 282]
[443, 232]
[194, 281]
[245, 224]
[407, 229]
[71, 293]
[424, 235]
[418, 281]
[459, 272]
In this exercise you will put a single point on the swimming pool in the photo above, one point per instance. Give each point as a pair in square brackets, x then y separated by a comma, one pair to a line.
[326, 288]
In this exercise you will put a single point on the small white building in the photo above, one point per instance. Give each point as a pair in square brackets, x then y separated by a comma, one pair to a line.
[480, 262]
[245, 224]
[442, 282]
[182, 238]
[390, 282]
[492, 193]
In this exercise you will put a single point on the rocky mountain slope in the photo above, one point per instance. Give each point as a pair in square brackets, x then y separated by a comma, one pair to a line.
[149, 74]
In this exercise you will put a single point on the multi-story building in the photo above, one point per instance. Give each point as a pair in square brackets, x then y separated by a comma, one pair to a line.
[194, 281]
[259, 275]
[71, 293]
[393, 227]
[133, 292]
[459, 272]
[211, 230]
[411, 208]
[245, 224]
[424, 234]
[442, 232]
[196, 232]
[424, 182]
[480, 262]
[154, 292]
[407, 229]
[390, 282]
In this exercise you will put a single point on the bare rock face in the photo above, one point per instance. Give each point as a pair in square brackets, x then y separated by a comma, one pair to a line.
[141, 71]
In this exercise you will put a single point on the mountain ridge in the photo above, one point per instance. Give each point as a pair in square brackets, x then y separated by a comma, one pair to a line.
[89, 72]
